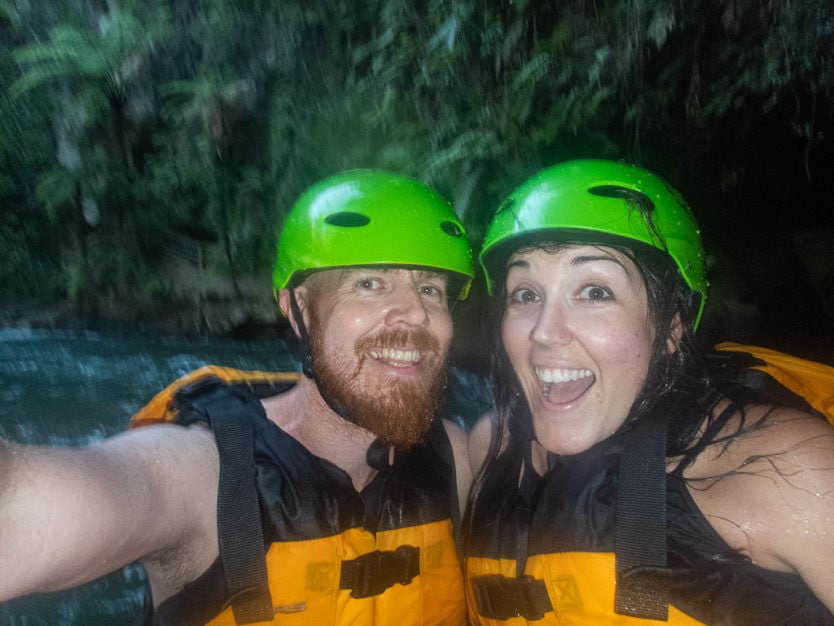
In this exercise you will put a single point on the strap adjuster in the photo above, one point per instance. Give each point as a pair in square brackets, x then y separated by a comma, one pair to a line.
[500, 597]
[372, 573]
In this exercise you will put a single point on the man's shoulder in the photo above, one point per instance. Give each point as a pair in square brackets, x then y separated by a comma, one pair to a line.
[165, 406]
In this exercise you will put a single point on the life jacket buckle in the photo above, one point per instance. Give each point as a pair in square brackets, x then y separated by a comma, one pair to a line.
[500, 597]
[372, 573]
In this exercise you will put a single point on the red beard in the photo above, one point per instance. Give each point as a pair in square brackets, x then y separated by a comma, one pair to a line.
[397, 411]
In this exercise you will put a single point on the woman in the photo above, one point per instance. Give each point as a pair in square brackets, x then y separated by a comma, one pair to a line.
[631, 477]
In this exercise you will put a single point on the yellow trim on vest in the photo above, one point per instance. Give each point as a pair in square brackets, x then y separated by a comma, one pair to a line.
[304, 581]
[159, 408]
[812, 380]
[580, 585]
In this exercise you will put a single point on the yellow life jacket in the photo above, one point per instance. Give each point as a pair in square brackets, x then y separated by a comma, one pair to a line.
[547, 553]
[580, 589]
[333, 556]
[812, 380]
[304, 579]
[161, 408]
[546, 556]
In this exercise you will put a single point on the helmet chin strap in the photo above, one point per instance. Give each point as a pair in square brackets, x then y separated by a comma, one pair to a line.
[307, 365]
[303, 336]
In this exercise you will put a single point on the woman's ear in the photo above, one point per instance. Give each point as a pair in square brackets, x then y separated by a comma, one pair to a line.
[675, 334]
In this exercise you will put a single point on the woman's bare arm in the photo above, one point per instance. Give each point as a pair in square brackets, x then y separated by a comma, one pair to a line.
[770, 494]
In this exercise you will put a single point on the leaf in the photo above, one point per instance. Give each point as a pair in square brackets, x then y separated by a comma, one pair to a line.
[54, 189]
[445, 35]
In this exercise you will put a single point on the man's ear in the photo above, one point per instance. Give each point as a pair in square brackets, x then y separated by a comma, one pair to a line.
[302, 296]
[675, 334]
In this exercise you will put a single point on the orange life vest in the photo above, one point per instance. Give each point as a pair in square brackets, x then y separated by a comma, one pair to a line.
[385, 557]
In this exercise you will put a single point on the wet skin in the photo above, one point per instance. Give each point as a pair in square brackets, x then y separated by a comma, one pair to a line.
[576, 329]
[355, 306]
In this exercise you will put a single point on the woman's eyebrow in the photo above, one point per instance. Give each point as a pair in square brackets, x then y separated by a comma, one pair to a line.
[589, 258]
[517, 263]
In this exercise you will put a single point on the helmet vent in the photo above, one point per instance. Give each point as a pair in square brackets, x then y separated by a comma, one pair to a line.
[632, 196]
[451, 229]
[347, 219]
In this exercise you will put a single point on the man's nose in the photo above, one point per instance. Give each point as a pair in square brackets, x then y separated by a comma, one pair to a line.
[406, 307]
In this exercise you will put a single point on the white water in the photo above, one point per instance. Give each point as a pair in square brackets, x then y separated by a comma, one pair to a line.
[69, 388]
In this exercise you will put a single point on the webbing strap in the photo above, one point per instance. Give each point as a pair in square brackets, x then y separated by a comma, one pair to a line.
[238, 516]
[640, 536]
[500, 597]
[372, 573]
[303, 338]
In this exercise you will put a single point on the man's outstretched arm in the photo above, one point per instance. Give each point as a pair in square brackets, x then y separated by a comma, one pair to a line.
[70, 515]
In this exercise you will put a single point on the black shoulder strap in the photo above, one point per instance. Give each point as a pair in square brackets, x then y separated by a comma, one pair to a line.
[438, 439]
[229, 412]
[640, 536]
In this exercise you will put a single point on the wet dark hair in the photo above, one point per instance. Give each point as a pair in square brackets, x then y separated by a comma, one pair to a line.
[670, 303]
[684, 383]
[682, 377]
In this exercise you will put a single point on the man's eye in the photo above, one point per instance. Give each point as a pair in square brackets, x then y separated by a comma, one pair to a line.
[431, 290]
[368, 283]
[595, 293]
[524, 296]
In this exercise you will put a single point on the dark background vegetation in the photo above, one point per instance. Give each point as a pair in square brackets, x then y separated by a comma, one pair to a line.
[148, 149]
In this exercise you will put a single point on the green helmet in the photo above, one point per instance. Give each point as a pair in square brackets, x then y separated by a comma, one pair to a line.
[598, 201]
[370, 217]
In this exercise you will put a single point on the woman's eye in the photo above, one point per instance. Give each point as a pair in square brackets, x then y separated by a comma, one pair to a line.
[523, 296]
[595, 293]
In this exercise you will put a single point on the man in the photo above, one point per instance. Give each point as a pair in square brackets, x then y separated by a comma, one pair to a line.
[344, 478]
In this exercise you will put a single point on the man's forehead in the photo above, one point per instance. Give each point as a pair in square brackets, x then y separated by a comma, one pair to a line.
[347, 273]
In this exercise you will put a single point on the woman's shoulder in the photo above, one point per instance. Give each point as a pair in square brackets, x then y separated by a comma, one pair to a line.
[771, 445]
[764, 484]
[767, 435]
[480, 439]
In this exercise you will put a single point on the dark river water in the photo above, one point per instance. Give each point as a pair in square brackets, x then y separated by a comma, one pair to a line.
[70, 388]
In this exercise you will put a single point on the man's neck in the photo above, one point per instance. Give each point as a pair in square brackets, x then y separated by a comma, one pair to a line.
[303, 414]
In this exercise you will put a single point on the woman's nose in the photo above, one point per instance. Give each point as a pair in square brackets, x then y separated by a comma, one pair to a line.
[551, 326]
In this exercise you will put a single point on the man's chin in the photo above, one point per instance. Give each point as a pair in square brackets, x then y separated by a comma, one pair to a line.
[399, 410]
[400, 414]
[401, 426]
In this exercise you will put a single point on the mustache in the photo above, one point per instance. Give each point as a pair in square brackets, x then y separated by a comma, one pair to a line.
[399, 338]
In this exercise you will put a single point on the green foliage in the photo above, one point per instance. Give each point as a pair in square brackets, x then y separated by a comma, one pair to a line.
[209, 118]
[76, 280]
[103, 56]
[55, 189]
[9, 12]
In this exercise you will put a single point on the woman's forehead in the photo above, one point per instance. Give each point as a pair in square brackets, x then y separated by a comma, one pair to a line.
[577, 253]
